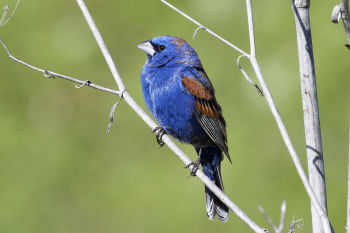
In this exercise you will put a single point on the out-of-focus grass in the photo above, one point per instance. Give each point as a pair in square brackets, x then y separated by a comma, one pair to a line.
[59, 170]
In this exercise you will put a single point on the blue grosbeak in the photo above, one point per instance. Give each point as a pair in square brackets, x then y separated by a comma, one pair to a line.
[181, 98]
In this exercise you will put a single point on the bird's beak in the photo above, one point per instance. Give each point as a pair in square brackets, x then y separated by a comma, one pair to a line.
[147, 47]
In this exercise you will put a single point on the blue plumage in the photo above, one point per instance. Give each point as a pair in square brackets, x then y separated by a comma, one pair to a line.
[181, 98]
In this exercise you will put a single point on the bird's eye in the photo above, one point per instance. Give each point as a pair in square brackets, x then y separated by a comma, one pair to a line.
[161, 47]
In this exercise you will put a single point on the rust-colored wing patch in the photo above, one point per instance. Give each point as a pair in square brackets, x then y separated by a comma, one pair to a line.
[205, 102]
[196, 88]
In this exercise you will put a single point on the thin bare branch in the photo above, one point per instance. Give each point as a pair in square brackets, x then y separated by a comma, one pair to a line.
[196, 31]
[268, 219]
[14, 10]
[111, 114]
[241, 68]
[51, 74]
[251, 28]
[276, 229]
[272, 107]
[206, 29]
[3, 19]
[283, 216]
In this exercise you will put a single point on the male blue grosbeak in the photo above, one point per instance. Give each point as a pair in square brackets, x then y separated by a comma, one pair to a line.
[181, 98]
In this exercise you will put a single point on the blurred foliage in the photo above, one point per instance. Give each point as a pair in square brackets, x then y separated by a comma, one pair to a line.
[61, 173]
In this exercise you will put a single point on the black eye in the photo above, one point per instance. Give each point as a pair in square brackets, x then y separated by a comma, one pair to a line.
[161, 47]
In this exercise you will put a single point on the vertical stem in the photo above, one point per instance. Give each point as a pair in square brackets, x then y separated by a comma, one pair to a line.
[320, 211]
[251, 28]
[310, 109]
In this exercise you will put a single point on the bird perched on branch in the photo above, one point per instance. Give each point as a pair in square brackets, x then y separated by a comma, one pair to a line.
[181, 98]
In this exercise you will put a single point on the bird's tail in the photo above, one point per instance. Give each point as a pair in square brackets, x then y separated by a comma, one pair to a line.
[210, 158]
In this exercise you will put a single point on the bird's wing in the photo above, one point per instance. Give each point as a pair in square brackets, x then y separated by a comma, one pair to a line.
[208, 111]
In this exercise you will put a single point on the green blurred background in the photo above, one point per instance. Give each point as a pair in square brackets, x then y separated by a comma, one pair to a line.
[61, 173]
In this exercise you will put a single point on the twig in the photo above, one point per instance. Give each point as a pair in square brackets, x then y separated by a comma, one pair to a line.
[295, 225]
[268, 219]
[283, 215]
[196, 31]
[276, 229]
[6, 8]
[152, 124]
[51, 74]
[2, 20]
[271, 104]
[342, 11]
[111, 114]
[206, 29]
[241, 68]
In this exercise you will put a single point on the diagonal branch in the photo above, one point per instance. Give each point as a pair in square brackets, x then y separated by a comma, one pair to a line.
[200, 26]
[153, 125]
[51, 74]
[272, 106]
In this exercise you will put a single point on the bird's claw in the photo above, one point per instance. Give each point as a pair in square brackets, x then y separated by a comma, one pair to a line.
[159, 131]
[195, 167]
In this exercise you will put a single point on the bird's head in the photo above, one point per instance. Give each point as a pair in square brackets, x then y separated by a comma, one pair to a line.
[169, 51]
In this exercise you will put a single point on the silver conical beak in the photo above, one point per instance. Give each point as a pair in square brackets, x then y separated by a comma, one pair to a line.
[147, 47]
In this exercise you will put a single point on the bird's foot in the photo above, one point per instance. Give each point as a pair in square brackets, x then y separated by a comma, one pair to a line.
[195, 166]
[159, 131]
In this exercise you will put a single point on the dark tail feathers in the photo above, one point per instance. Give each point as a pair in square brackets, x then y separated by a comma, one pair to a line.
[210, 158]
[213, 204]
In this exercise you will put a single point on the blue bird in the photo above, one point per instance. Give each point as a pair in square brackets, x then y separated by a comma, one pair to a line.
[181, 98]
